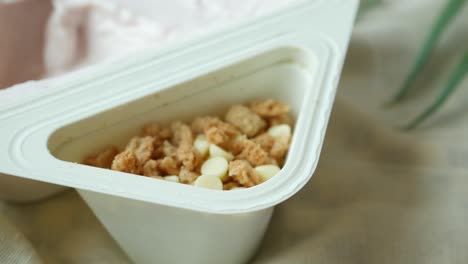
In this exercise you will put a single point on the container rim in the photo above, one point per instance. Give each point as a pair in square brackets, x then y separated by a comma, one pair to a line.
[334, 39]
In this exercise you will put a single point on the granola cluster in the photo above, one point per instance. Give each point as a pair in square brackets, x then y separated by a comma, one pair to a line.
[245, 149]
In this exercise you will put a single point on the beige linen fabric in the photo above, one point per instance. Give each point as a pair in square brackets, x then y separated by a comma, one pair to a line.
[377, 196]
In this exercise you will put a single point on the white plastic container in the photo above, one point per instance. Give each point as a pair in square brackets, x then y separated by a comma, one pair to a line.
[18, 189]
[295, 56]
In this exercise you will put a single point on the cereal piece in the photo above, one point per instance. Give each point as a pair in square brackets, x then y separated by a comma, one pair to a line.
[187, 176]
[126, 161]
[252, 152]
[188, 156]
[225, 178]
[103, 159]
[202, 145]
[237, 144]
[158, 152]
[216, 166]
[209, 182]
[157, 132]
[172, 178]
[230, 185]
[151, 169]
[168, 165]
[279, 150]
[216, 151]
[216, 131]
[282, 135]
[266, 172]
[142, 147]
[181, 134]
[281, 119]
[269, 108]
[280, 131]
[157, 177]
[168, 149]
[221, 133]
[199, 124]
[245, 120]
[265, 141]
[243, 173]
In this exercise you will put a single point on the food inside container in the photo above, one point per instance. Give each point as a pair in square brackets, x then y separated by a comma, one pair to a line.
[245, 149]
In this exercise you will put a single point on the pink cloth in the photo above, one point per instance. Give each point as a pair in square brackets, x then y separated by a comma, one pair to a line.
[61, 36]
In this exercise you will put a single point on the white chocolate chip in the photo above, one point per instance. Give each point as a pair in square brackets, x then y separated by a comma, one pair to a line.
[215, 166]
[266, 172]
[216, 151]
[172, 178]
[201, 144]
[209, 182]
[280, 131]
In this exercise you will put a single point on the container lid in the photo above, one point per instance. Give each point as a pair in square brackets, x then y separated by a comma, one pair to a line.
[323, 27]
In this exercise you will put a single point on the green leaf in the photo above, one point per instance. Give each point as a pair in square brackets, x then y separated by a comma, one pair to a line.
[454, 81]
[446, 16]
[367, 5]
